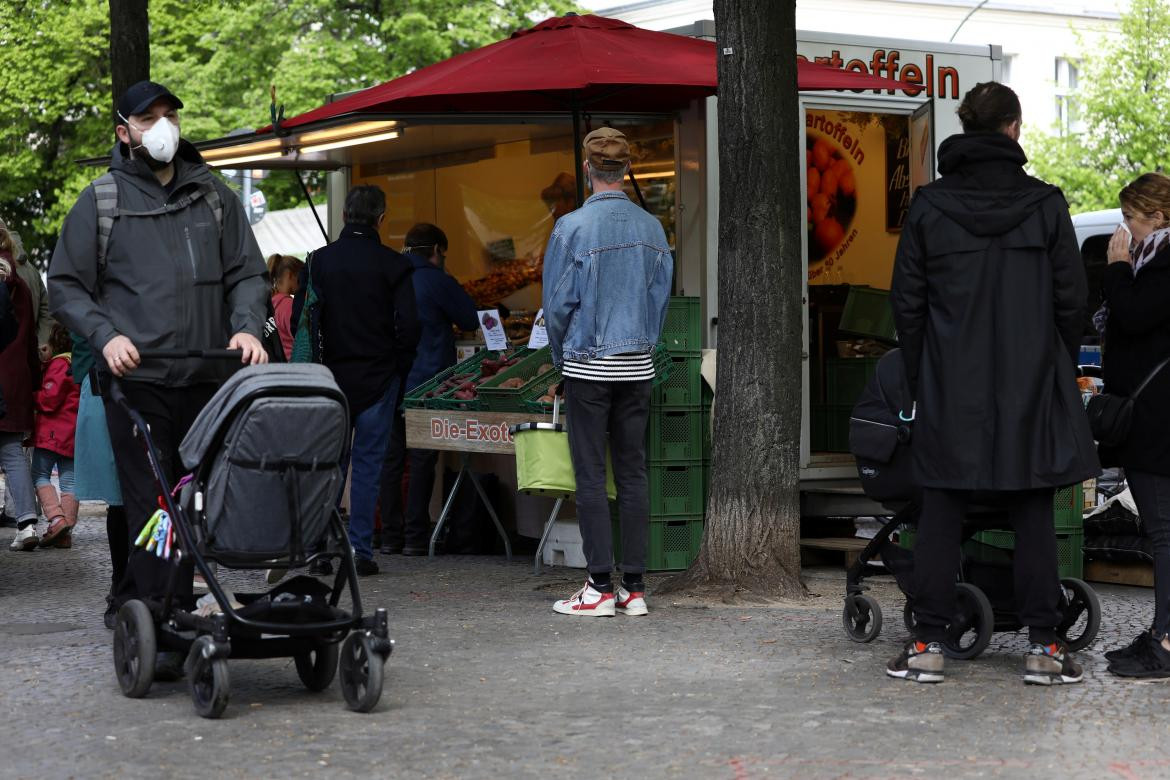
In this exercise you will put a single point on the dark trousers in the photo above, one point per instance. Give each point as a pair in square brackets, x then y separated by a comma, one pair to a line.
[118, 538]
[411, 528]
[169, 412]
[1151, 493]
[936, 562]
[622, 409]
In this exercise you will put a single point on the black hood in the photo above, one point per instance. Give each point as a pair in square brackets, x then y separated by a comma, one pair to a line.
[983, 186]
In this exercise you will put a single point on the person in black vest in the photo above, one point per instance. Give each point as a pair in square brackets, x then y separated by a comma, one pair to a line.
[988, 296]
[370, 330]
[1137, 341]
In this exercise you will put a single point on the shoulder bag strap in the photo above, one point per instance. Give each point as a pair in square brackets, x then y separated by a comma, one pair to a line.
[1147, 380]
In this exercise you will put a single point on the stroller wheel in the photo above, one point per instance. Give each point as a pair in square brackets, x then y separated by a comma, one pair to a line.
[208, 680]
[361, 672]
[862, 617]
[970, 632]
[1080, 614]
[134, 649]
[908, 618]
[318, 667]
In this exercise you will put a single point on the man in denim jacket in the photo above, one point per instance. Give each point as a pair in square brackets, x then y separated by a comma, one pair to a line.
[607, 275]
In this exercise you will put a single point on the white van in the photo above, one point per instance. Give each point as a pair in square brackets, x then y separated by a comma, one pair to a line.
[1094, 229]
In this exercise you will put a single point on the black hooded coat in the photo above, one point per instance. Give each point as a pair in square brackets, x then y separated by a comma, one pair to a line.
[988, 296]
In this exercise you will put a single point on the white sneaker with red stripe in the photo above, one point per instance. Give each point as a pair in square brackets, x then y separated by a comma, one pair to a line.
[630, 602]
[587, 602]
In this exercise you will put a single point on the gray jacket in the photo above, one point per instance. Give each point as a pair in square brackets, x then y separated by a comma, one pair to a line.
[174, 280]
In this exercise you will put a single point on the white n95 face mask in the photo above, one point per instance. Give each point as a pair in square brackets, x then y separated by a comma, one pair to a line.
[161, 141]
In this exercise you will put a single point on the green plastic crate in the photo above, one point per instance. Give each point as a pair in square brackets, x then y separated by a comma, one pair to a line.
[415, 397]
[497, 399]
[846, 378]
[1068, 509]
[829, 427]
[672, 542]
[683, 329]
[677, 488]
[678, 435]
[684, 385]
[448, 400]
[1070, 556]
[868, 314]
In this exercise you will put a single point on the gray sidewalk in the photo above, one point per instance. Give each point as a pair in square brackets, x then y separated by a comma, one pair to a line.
[486, 681]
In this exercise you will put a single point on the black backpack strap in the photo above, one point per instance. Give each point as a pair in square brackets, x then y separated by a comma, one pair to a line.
[105, 191]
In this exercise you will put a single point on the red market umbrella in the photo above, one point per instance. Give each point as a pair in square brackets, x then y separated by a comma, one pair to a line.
[571, 62]
[812, 76]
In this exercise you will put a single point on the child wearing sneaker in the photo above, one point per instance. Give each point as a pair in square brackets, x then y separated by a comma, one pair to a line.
[53, 435]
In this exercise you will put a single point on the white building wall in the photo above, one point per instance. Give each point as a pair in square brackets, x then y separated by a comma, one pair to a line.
[1032, 34]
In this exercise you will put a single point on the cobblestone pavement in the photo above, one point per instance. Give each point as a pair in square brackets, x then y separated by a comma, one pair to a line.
[487, 681]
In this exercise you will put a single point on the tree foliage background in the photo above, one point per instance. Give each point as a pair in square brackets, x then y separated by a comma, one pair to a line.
[1123, 99]
[220, 57]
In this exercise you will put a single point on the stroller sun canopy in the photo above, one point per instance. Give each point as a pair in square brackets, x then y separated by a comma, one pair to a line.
[309, 378]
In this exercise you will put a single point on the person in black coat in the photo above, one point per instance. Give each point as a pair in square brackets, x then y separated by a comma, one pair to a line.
[370, 331]
[988, 295]
[1137, 341]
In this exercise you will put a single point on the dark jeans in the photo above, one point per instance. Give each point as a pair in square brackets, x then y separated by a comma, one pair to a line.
[936, 562]
[622, 409]
[413, 528]
[169, 412]
[372, 428]
[1151, 493]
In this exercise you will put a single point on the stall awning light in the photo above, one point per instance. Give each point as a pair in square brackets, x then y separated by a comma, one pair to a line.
[244, 150]
[346, 131]
[234, 162]
[365, 139]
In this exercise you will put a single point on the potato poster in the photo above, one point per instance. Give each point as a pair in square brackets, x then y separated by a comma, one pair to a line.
[845, 212]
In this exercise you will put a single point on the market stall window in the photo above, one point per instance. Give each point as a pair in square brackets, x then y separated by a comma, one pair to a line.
[497, 190]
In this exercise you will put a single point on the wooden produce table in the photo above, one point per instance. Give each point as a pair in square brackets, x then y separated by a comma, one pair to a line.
[468, 432]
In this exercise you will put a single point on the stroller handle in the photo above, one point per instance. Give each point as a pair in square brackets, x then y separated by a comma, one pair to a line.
[179, 354]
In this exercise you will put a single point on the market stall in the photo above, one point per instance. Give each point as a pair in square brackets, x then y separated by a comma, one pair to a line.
[487, 145]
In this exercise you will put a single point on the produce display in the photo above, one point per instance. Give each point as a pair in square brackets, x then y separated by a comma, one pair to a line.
[513, 276]
[464, 385]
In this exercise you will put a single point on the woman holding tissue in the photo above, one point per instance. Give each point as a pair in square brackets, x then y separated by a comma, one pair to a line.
[1137, 342]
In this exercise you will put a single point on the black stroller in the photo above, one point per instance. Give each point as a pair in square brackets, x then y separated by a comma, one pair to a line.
[261, 493]
[879, 438]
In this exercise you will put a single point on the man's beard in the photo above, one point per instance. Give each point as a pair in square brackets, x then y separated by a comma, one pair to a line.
[151, 163]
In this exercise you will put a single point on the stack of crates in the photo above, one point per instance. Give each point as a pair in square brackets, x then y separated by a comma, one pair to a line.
[678, 445]
[1067, 513]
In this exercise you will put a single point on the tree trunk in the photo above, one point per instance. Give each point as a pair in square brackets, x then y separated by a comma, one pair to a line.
[129, 46]
[751, 543]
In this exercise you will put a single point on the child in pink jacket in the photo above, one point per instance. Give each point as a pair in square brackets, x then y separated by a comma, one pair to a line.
[56, 419]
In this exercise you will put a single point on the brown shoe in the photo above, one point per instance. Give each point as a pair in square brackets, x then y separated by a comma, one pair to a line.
[64, 541]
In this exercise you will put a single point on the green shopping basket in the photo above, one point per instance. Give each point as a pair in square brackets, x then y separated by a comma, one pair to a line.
[543, 464]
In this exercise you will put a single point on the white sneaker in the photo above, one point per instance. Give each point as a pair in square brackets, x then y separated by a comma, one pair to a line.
[630, 603]
[26, 539]
[586, 602]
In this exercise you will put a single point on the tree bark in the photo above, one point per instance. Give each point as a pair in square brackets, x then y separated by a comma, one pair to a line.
[751, 546]
[129, 46]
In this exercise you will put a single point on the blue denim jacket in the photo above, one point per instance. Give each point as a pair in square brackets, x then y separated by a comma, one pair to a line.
[607, 275]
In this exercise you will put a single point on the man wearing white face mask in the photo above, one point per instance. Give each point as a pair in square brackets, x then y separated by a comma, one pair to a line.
[157, 254]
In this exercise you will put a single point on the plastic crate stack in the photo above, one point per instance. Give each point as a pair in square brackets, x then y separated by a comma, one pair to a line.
[678, 445]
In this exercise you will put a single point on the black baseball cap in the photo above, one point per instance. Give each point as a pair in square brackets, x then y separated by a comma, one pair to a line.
[142, 95]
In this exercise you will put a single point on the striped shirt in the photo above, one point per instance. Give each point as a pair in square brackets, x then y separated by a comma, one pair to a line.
[635, 367]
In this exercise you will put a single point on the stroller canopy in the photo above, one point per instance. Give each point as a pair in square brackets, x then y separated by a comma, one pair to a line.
[307, 378]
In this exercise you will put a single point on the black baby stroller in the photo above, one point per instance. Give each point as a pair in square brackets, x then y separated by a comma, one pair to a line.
[880, 436]
[264, 455]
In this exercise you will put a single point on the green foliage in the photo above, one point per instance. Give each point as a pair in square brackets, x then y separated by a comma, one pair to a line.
[220, 58]
[1124, 100]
